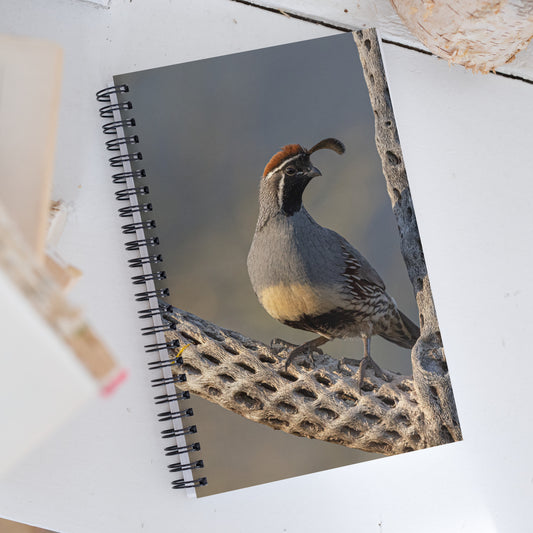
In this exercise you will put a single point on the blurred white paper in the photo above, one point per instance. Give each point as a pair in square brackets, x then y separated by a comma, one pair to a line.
[41, 383]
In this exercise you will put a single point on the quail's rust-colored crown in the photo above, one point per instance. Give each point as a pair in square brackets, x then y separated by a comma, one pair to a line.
[286, 152]
[292, 150]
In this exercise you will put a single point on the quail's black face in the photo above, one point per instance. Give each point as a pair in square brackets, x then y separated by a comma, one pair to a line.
[300, 168]
[294, 176]
[286, 176]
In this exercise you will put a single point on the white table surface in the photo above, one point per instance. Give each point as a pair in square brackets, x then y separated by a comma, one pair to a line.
[467, 143]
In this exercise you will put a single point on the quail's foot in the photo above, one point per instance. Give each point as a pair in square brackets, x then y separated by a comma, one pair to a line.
[307, 348]
[308, 352]
[280, 345]
[366, 362]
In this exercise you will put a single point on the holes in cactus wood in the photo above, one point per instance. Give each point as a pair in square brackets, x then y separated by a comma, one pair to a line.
[246, 367]
[248, 401]
[276, 422]
[378, 447]
[264, 358]
[391, 402]
[407, 449]
[415, 437]
[369, 417]
[346, 398]
[311, 427]
[191, 370]
[287, 408]
[211, 358]
[190, 338]
[433, 393]
[268, 387]
[394, 435]
[397, 194]
[401, 419]
[287, 376]
[323, 380]
[213, 391]
[447, 435]
[229, 349]
[226, 378]
[350, 432]
[305, 393]
[324, 412]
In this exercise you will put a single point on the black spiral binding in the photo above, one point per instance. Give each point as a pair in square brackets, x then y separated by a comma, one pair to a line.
[133, 193]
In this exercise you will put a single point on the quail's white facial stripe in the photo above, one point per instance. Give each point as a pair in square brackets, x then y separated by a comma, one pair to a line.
[293, 301]
[283, 164]
[281, 191]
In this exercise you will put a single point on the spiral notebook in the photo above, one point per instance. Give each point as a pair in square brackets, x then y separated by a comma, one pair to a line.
[193, 143]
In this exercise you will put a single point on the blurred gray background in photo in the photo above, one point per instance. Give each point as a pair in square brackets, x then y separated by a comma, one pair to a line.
[207, 129]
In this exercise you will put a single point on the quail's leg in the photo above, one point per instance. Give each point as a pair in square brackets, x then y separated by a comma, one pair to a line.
[306, 348]
[366, 362]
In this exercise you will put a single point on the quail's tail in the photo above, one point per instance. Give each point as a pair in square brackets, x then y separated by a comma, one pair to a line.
[401, 331]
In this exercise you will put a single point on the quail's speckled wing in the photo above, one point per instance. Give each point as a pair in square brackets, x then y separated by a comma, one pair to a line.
[371, 304]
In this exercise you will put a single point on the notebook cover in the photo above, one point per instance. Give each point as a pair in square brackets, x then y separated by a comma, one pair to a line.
[206, 130]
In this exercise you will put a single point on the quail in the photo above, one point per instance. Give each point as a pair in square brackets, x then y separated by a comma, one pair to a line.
[310, 277]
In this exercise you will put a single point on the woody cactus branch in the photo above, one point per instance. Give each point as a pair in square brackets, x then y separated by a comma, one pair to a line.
[323, 401]
[320, 401]
[430, 371]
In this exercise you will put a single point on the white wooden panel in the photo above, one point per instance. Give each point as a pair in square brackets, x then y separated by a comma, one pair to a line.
[353, 14]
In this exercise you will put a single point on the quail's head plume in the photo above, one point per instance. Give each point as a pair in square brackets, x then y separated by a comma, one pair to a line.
[311, 278]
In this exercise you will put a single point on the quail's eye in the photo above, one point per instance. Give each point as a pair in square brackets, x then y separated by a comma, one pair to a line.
[290, 171]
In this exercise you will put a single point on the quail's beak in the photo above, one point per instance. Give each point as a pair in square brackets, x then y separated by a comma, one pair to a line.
[314, 172]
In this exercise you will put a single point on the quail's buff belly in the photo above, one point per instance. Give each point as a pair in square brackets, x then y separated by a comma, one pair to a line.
[296, 273]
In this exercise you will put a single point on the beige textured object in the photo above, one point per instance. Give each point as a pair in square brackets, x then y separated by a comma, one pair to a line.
[481, 35]
[30, 86]
[40, 288]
